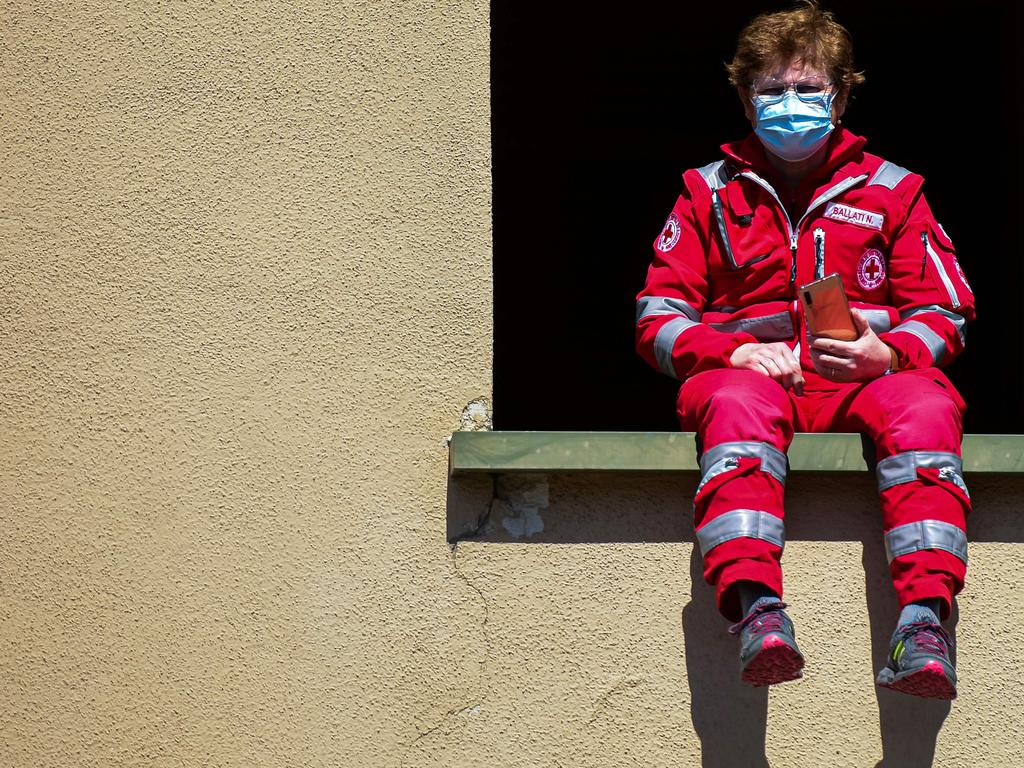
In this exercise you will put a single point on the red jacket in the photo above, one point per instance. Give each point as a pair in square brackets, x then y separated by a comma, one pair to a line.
[728, 261]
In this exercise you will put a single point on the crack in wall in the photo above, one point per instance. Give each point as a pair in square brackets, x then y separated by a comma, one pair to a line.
[482, 522]
[472, 708]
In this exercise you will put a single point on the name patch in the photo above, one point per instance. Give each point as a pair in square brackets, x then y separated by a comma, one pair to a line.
[851, 215]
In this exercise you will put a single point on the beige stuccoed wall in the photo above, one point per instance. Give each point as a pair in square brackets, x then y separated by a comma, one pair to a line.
[245, 297]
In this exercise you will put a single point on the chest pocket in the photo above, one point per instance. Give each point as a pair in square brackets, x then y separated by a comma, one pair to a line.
[746, 234]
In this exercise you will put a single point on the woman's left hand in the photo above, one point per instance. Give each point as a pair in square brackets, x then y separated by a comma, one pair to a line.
[868, 357]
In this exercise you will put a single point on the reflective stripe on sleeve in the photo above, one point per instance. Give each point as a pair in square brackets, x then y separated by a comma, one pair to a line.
[773, 461]
[741, 523]
[958, 320]
[878, 319]
[931, 339]
[664, 305]
[925, 534]
[665, 342]
[775, 327]
[943, 275]
[889, 175]
[902, 468]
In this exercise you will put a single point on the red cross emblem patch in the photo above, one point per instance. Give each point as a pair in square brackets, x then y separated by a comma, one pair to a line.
[963, 277]
[669, 233]
[871, 269]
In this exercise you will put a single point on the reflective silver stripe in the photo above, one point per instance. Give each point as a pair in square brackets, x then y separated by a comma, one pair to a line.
[716, 207]
[925, 534]
[902, 467]
[714, 174]
[931, 339]
[958, 320]
[664, 305]
[889, 175]
[953, 298]
[665, 341]
[767, 328]
[741, 523]
[878, 319]
[773, 461]
[727, 464]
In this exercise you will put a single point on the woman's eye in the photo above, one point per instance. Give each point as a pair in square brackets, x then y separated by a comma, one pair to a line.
[772, 90]
[810, 88]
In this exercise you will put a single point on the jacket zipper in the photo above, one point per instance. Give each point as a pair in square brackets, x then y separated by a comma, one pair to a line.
[794, 233]
[819, 253]
[953, 299]
[792, 256]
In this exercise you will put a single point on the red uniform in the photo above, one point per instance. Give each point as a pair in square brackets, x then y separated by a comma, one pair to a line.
[725, 270]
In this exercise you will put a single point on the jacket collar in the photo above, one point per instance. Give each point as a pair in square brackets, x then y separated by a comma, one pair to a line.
[843, 145]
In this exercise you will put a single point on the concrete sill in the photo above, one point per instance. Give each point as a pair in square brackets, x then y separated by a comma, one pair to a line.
[513, 452]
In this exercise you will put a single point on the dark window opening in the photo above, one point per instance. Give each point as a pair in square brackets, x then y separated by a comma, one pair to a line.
[596, 112]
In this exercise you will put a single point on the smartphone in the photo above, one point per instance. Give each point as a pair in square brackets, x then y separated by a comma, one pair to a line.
[827, 309]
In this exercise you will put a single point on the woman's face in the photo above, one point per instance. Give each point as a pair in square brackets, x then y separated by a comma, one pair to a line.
[790, 73]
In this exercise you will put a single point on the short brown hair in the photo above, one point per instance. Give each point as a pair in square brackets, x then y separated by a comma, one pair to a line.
[807, 32]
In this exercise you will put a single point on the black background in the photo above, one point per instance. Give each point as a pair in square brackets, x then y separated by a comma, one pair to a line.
[596, 112]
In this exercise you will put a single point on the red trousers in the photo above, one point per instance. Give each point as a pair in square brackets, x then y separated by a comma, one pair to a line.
[745, 422]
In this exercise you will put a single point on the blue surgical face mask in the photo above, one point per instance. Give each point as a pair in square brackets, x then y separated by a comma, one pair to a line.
[794, 129]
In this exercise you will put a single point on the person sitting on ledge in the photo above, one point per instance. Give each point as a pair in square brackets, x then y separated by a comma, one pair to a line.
[795, 201]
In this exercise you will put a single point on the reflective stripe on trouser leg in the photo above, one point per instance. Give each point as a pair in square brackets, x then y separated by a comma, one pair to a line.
[725, 456]
[926, 534]
[915, 422]
[739, 508]
[925, 505]
[741, 523]
[902, 468]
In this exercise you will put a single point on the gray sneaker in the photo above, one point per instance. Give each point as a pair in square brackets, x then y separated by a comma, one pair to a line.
[919, 662]
[768, 652]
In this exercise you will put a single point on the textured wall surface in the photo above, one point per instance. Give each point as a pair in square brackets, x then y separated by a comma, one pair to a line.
[245, 297]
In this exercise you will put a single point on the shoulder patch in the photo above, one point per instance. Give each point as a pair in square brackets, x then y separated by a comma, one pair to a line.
[669, 233]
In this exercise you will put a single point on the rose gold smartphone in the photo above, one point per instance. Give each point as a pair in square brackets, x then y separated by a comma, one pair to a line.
[827, 309]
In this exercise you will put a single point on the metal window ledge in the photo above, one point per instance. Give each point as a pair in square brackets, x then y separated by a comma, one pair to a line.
[507, 452]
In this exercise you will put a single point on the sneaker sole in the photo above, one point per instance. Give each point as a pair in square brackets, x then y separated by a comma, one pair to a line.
[930, 682]
[776, 662]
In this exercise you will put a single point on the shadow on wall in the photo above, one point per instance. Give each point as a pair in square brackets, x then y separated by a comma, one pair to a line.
[597, 508]
[729, 717]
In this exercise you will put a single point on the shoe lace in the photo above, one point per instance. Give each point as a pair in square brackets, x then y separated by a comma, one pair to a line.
[763, 619]
[928, 636]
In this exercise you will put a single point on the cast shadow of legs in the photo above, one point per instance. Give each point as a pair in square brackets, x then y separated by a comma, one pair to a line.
[730, 718]
[909, 725]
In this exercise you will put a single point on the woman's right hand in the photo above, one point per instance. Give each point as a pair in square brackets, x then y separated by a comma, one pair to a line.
[775, 360]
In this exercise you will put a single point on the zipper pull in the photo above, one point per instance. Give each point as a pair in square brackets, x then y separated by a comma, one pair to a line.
[819, 253]
[924, 256]
[792, 269]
